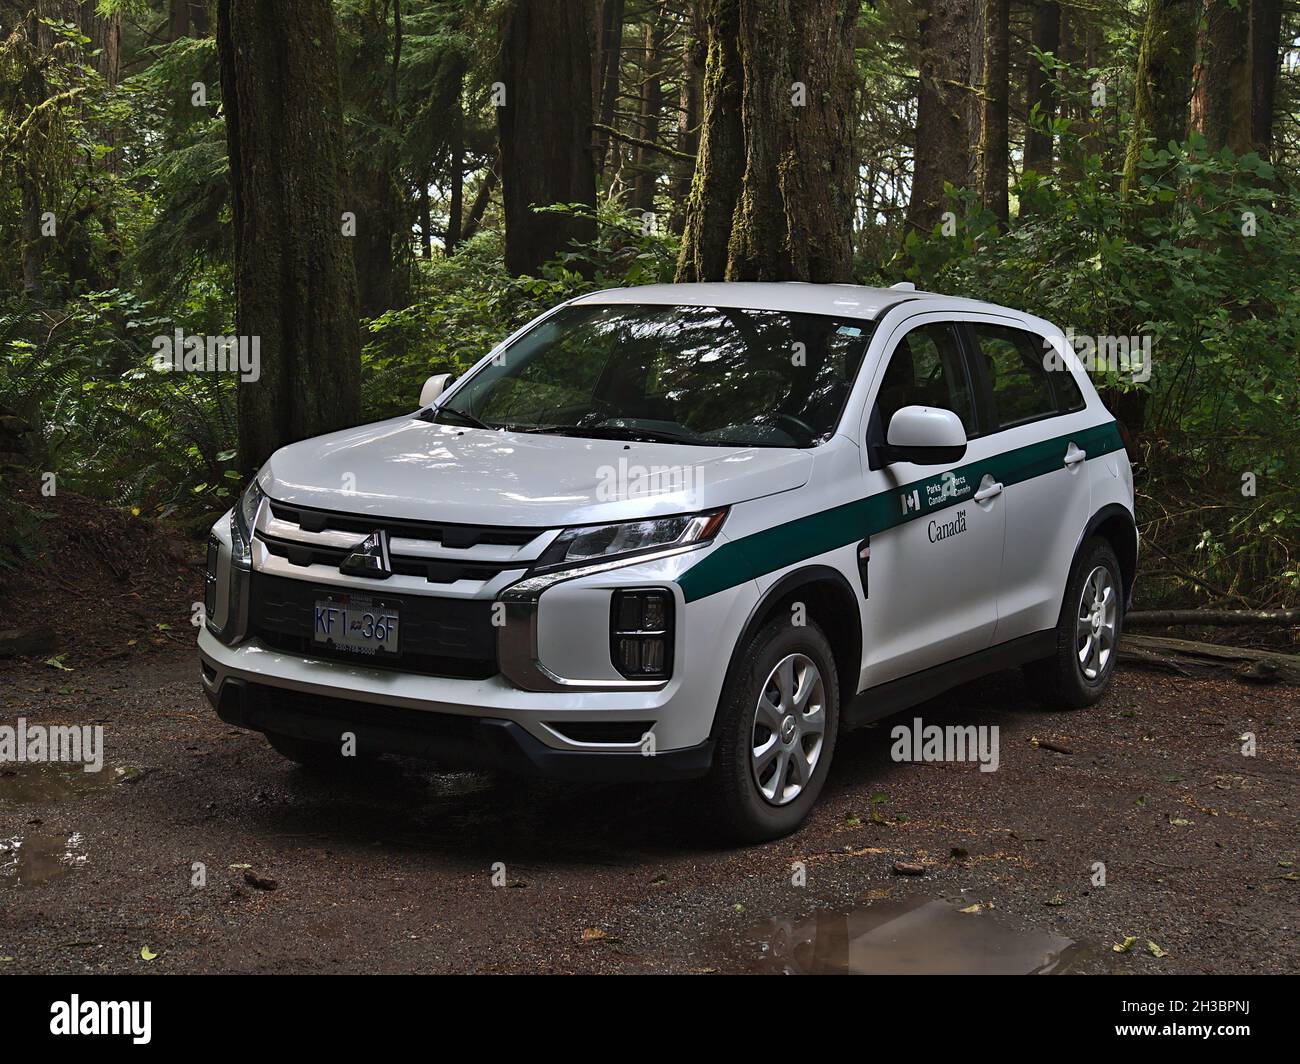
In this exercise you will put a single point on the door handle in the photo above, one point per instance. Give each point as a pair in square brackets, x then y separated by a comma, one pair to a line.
[1073, 455]
[988, 491]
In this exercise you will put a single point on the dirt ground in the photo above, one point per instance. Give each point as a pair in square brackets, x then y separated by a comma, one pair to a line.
[396, 870]
[393, 871]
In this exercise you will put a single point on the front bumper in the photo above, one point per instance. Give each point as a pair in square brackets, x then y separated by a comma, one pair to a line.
[549, 699]
[449, 740]
[570, 716]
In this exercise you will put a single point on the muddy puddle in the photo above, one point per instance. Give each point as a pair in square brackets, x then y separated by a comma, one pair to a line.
[916, 936]
[29, 853]
[36, 784]
[39, 857]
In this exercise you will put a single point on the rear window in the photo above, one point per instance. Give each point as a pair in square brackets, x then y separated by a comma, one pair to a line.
[1013, 362]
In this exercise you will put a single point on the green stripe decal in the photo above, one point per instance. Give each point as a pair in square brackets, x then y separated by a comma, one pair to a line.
[783, 545]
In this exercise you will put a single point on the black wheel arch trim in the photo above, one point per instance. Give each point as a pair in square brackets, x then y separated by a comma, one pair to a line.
[1128, 566]
[761, 611]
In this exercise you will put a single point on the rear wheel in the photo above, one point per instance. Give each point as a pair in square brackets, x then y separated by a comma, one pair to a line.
[776, 731]
[1087, 633]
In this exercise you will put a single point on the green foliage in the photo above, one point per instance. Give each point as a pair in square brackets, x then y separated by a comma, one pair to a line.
[466, 304]
[106, 422]
[1202, 259]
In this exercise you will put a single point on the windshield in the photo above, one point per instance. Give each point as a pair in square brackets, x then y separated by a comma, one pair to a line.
[714, 376]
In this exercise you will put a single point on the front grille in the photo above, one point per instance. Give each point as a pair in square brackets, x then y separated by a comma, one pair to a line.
[437, 636]
[435, 570]
[305, 536]
[449, 535]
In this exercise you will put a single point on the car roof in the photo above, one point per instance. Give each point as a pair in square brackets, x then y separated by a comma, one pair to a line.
[838, 300]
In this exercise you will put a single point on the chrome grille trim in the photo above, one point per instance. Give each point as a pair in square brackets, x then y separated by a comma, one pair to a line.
[465, 561]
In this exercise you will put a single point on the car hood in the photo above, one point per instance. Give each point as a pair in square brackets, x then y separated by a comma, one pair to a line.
[409, 468]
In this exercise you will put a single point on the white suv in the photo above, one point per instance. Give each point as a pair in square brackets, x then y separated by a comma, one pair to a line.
[684, 531]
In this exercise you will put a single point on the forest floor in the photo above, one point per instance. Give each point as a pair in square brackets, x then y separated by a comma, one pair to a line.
[393, 870]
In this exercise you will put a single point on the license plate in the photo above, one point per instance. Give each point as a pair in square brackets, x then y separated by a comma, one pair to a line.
[356, 623]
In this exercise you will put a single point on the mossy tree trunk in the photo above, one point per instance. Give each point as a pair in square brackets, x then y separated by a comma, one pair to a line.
[690, 108]
[1164, 80]
[295, 283]
[772, 197]
[545, 128]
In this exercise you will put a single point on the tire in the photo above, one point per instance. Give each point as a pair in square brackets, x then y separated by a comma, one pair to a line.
[1064, 681]
[314, 755]
[745, 800]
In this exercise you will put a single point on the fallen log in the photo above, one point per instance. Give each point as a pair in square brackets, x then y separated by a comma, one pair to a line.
[1209, 618]
[1189, 657]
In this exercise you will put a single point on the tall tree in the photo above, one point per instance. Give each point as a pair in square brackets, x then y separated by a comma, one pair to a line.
[370, 87]
[995, 140]
[941, 148]
[1164, 79]
[609, 52]
[186, 18]
[456, 175]
[772, 197]
[1040, 87]
[295, 284]
[720, 164]
[689, 109]
[649, 162]
[545, 128]
[974, 110]
[1223, 89]
[1265, 59]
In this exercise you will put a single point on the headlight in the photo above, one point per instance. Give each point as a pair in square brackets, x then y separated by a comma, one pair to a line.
[578, 546]
[241, 523]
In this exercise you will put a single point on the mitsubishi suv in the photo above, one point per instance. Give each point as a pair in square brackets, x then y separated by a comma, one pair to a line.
[683, 531]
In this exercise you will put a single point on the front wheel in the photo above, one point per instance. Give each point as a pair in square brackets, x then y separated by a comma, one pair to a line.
[1087, 634]
[776, 731]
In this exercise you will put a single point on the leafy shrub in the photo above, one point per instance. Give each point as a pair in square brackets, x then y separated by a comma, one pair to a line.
[1202, 258]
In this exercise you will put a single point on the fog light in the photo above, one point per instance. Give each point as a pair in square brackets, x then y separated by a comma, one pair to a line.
[641, 633]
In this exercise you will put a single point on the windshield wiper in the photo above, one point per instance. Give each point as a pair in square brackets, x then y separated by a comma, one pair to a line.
[616, 432]
[433, 413]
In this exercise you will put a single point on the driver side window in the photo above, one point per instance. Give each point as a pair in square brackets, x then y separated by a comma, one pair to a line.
[926, 369]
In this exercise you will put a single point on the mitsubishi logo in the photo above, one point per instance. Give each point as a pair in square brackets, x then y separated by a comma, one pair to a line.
[369, 557]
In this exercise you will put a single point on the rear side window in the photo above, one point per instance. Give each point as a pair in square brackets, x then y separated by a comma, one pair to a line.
[1013, 363]
[925, 369]
[1068, 397]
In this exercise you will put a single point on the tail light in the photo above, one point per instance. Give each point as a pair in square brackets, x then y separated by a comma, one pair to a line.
[1127, 439]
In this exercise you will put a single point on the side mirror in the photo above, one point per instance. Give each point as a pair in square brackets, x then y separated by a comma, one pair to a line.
[434, 387]
[926, 435]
